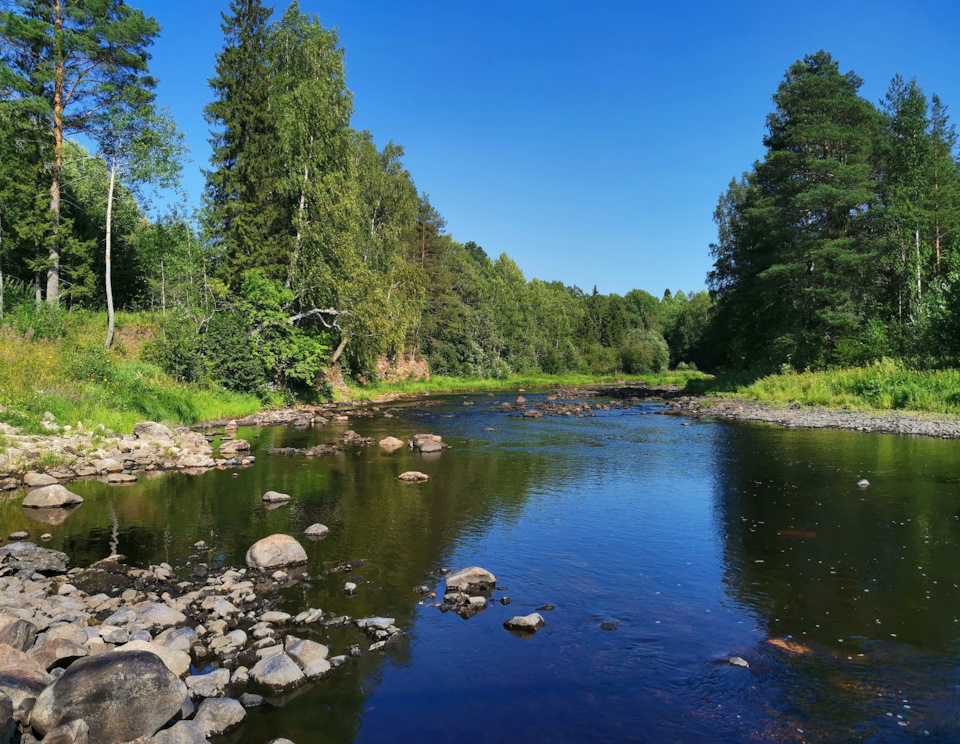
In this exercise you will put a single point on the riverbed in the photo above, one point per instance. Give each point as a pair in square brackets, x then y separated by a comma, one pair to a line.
[666, 547]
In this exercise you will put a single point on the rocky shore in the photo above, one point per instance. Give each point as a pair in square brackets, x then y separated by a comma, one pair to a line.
[805, 417]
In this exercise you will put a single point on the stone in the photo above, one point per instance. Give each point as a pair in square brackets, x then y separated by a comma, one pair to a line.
[525, 623]
[179, 639]
[217, 716]
[472, 580]
[121, 696]
[177, 662]
[349, 587]
[272, 616]
[18, 535]
[21, 679]
[156, 615]
[152, 430]
[35, 480]
[107, 465]
[121, 478]
[26, 556]
[413, 476]
[390, 443]
[738, 661]
[277, 672]
[427, 447]
[182, 732]
[275, 497]
[310, 655]
[425, 443]
[234, 447]
[211, 684]
[74, 732]
[17, 633]
[863, 483]
[276, 551]
[317, 530]
[375, 623]
[250, 700]
[59, 652]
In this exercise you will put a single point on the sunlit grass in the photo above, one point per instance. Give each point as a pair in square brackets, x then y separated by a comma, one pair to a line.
[882, 386]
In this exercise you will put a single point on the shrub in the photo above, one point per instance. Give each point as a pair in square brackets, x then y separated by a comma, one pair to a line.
[644, 352]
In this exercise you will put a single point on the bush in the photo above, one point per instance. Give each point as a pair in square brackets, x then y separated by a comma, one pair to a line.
[231, 358]
[177, 349]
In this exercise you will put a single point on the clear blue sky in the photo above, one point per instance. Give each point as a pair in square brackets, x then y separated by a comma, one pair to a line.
[587, 140]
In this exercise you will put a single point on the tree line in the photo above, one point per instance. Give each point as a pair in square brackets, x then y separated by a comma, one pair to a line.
[840, 247]
[312, 249]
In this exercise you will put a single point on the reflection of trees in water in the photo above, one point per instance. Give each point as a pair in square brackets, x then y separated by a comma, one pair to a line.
[864, 580]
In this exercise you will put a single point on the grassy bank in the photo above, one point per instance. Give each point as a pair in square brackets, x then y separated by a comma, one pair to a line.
[439, 384]
[65, 371]
[882, 386]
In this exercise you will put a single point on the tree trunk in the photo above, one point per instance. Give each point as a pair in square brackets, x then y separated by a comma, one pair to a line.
[163, 290]
[339, 350]
[106, 256]
[53, 256]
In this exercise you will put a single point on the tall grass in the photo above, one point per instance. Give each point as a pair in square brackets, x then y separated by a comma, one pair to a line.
[882, 386]
[70, 375]
[441, 384]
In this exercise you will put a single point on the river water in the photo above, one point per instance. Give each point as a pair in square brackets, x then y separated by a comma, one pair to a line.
[695, 541]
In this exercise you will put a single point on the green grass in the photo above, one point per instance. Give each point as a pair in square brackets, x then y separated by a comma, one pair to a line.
[882, 386]
[73, 378]
[440, 384]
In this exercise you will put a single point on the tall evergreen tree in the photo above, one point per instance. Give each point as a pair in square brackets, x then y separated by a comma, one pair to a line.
[65, 61]
[244, 213]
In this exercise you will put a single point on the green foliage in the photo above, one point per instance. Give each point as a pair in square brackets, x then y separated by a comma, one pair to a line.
[177, 348]
[231, 356]
[644, 351]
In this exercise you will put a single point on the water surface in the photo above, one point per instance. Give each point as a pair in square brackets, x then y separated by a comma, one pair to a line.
[697, 541]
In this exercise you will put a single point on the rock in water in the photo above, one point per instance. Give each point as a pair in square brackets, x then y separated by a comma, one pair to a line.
[310, 655]
[738, 661]
[525, 623]
[26, 556]
[51, 496]
[413, 476]
[276, 551]
[121, 696]
[234, 447]
[275, 497]
[390, 443]
[471, 580]
[316, 530]
[184, 732]
[219, 715]
[277, 673]
[863, 483]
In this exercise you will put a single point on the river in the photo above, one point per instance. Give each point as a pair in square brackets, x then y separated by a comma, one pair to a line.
[666, 546]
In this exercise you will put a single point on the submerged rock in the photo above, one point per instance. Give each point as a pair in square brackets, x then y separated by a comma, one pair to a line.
[276, 551]
[122, 696]
[413, 476]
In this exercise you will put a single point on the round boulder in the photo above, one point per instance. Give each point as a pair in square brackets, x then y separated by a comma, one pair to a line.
[317, 530]
[51, 496]
[471, 580]
[276, 551]
[122, 696]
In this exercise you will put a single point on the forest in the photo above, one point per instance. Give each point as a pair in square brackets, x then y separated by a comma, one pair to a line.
[313, 248]
[313, 254]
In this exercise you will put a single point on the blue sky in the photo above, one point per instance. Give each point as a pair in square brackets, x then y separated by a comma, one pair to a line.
[587, 140]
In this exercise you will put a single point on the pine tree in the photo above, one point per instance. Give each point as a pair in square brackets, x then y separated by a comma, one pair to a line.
[65, 61]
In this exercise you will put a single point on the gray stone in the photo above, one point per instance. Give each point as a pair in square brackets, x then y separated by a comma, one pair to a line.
[234, 447]
[26, 556]
[471, 580]
[738, 661]
[156, 615]
[52, 496]
[217, 716]
[863, 483]
[413, 476]
[152, 430]
[179, 639]
[525, 623]
[107, 465]
[276, 551]
[182, 732]
[58, 652]
[36, 480]
[21, 679]
[121, 696]
[211, 684]
[74, 732]
[176, 661]
[310, 655]
[20, 634]
[275, 497]
[390, 443]
[277, 672]
[316, 530]
[375, 623]
[274, 617]
[250, 700]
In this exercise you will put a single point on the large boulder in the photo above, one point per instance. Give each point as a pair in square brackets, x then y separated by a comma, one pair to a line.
[473, 580]
[276, 551]
[525, 624]
[390, 443]
[158, 615]
[26, 556]
[152, 430]
[426, 443]
[277, 673]
[183, 732]
[58, 652]
[121, 696]
[52, 496]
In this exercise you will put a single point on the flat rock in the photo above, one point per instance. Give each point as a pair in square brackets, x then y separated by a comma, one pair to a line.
[234, 447]
[51, 496]
[413, 476]
[152, 430]
[217, 716]
[273, 616]
[177, 662]
[121, 478]
[211, 684]
[17, 633]
[35, 480]
[276, 551]
[275, 497]
[158, 615]
[375, 623]
[390, 443]
[277, 672]
[471, 580]
[26, 556]
[58, 652]
[525, 623]
[121, 696]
